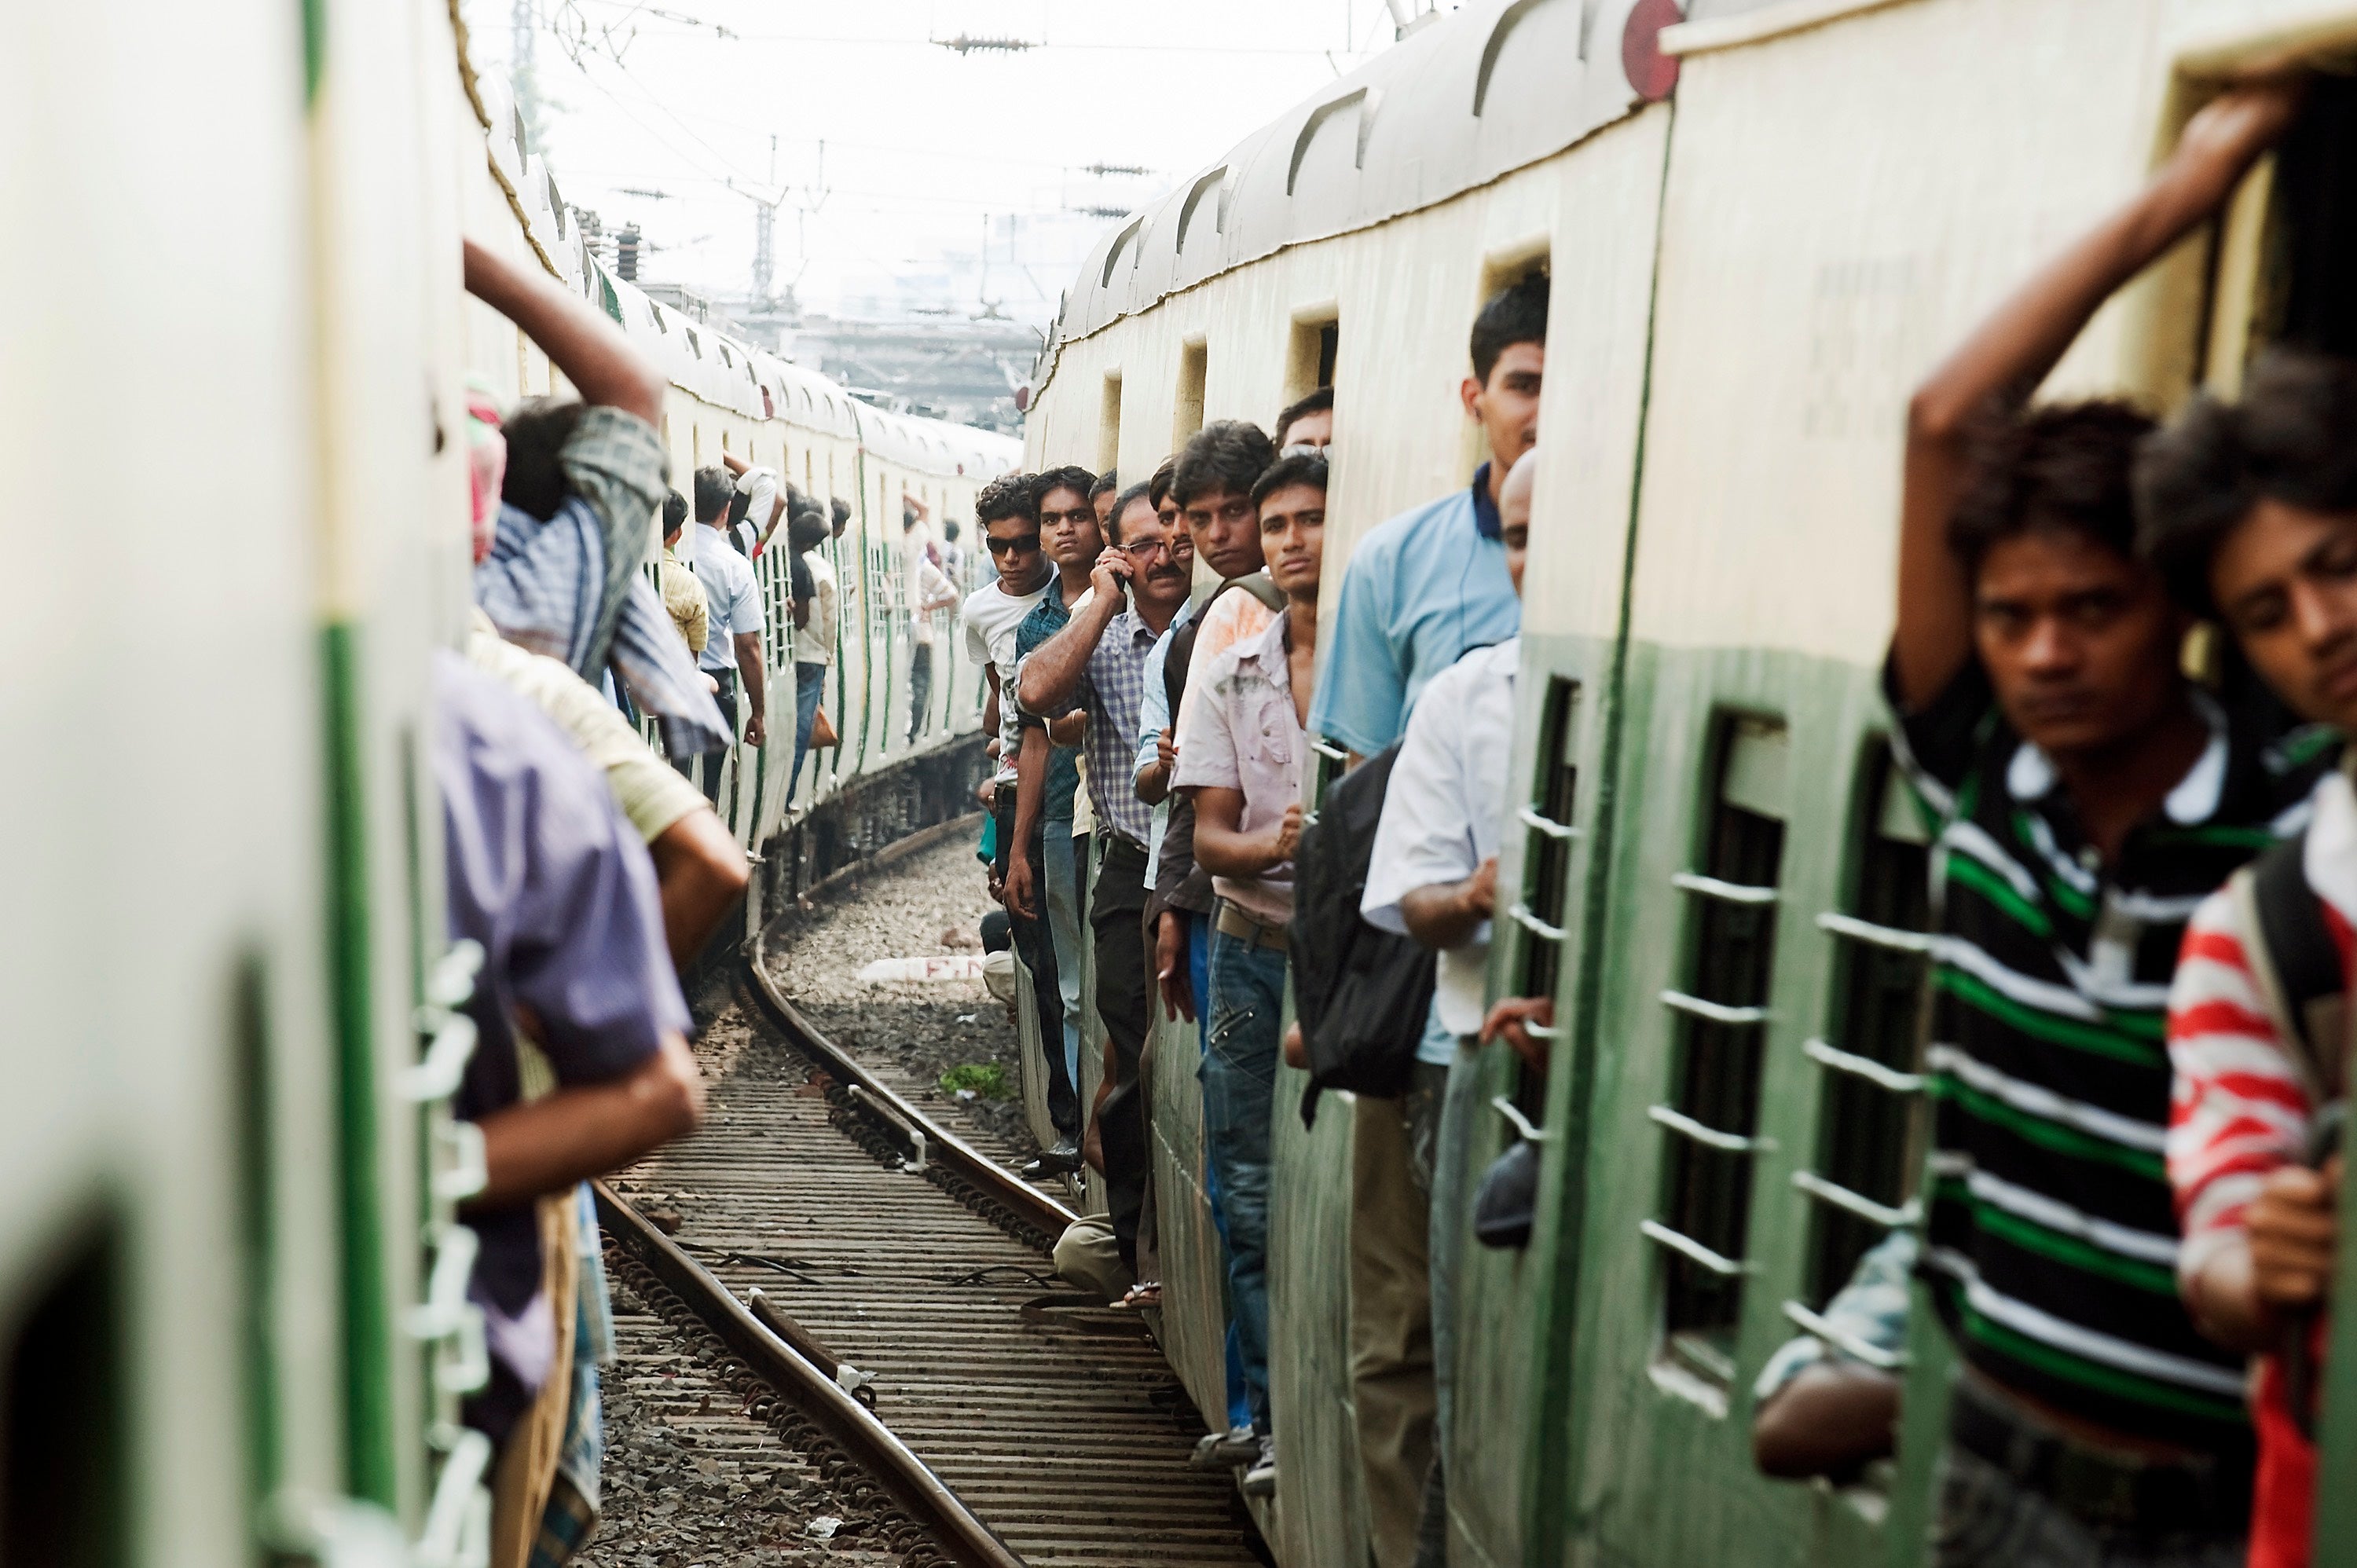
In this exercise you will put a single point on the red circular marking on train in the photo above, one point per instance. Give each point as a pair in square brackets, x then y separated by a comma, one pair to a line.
[1651, 73]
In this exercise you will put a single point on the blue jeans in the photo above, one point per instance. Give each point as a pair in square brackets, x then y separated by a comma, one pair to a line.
[1059, 870]
[810, 684]
[1246, 1010]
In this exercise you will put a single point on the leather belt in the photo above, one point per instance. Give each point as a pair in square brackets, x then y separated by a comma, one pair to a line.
[2101, 1485]
[1231, 921]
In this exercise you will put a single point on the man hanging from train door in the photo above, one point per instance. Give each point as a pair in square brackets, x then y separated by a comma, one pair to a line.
[734, 648]
[2085, 796]
[2250, 509]
[1044, 861]
[1241, 757]
[1098, 665]
[1420, 590]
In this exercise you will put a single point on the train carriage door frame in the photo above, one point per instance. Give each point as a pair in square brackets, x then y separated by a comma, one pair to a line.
[1109, 422]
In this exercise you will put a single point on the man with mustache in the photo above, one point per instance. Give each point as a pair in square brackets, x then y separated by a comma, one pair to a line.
[1097, 665]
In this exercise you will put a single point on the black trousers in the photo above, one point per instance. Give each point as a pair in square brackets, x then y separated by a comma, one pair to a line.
[726, 698]
[920, 687]
[1037, 948]
[1124, 995]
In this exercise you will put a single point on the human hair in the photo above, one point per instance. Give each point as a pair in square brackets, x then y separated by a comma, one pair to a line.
[807, 530]
[949, 530]
[1300, 468]
[2291, 438]
[1071, 476]
[674, 513]
[1515, 314]
[1225, 455]
[714, 487]
[1107, 483]
[1009, 495]
[537, 431]
[1122, 503]
[1320, 402]
[2062, 469]
[907, 519]
[839, 510]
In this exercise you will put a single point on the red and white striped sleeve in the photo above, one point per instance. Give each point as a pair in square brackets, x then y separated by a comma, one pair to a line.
[2238, 1107]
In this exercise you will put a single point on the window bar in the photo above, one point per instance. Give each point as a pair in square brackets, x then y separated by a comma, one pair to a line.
[1686, 1126]
[1713, 1012]
[1725, 892]
[1521, 915]
[1562, 833]
[1867, 931]
[1857, 1203]
[1835, 1059]
[1332, 754]
[1849, 1344]
[1521, 1123]
[1687, 1246]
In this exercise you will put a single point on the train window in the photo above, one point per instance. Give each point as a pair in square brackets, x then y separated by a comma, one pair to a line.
[1710, 1124]
[1869, 1089]
[1309, 356]
[64, 1497]
[1109, 423]
[1546, 845]
[1193, 361]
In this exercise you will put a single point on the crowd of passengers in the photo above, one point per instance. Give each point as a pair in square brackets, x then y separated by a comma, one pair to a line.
[584, 864]
[2124, 664]
[2144, 902]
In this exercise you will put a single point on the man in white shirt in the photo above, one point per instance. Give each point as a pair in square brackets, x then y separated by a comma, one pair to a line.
[734, 601]
[765, 502]
[927, 590]
[1434, 876]
[808, 538]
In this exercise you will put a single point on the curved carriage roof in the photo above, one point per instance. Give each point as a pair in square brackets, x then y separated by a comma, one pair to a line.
[1491, 88]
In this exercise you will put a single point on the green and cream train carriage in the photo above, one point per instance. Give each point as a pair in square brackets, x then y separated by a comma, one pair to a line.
[1761, 225]
[231, 1314]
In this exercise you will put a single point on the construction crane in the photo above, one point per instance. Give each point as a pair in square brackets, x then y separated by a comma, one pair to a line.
[765, 222]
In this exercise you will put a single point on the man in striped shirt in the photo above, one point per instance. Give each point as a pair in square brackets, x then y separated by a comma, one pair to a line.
[2086, 798]
[2251, 511]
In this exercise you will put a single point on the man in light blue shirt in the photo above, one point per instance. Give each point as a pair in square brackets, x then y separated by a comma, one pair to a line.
[1422, 590]
[734, 600]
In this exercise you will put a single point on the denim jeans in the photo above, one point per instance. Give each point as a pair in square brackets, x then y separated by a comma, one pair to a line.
[1060, 871]
[1198, 978]
[1239, 1091]
[810, 685]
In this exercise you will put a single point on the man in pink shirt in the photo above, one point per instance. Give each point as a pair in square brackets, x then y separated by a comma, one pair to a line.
[1241, 762]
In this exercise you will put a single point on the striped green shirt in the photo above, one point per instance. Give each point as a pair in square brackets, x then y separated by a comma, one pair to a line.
[2051, 1242]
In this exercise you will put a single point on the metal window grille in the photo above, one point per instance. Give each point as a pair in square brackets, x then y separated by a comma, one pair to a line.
[1712, 1123]
[1869, 1091]
[1548, 841]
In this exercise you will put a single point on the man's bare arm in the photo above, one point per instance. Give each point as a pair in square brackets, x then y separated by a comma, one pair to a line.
[545, 1145]
[701, 873]
[2011, 351]
[1445, 914]
[749, 664]
[1051, 672]
[1031, 796]
[1224, 849]
[580, 340]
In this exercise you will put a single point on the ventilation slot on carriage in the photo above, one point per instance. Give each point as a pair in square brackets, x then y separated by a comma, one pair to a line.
[1194, 360]
[1870, 1087]
[1109, 423]
[1710, 1127]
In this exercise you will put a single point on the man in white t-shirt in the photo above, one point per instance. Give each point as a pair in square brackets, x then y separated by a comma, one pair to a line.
[735, 623]
[1434, 876]
[927, 590]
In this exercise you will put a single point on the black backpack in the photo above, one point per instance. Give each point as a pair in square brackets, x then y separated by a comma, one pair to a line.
[1361, 994]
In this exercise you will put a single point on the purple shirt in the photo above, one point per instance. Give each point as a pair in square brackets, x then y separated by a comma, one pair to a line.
[1244, 735]
[544, 870]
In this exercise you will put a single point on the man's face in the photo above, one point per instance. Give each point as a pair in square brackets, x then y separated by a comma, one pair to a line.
[1515, 517]
[1103, 503]
[1293, 538]
[1226, 529]
[1068, 529]
[1161, 556]
[1313, 430]
[1015, 550]
[1507, 405]
[2285, 584]
[2080, 643]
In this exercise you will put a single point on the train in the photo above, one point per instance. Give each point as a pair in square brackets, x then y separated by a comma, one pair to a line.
[1761, 221]
[231, 1297]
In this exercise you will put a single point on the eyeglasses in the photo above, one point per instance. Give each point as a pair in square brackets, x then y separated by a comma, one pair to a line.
[1021, 544]
[1146, 550]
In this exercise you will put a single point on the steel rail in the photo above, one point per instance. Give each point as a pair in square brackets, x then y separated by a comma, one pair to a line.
[994, 1180]
[907, 1480]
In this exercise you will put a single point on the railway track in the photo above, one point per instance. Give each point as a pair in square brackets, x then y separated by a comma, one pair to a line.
[1013, 1421]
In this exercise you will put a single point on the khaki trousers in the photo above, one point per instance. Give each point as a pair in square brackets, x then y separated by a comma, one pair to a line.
[1391, 1328]
[527, 1462]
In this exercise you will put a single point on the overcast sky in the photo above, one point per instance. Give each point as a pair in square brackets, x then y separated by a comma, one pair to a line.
[925, 149]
